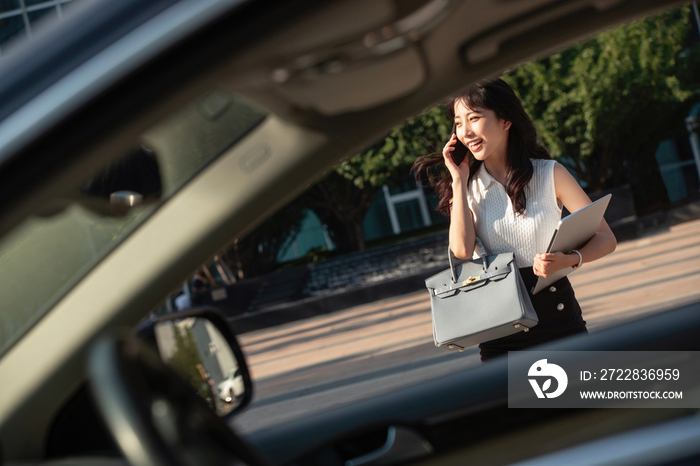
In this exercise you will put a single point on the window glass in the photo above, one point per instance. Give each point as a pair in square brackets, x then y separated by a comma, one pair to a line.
[8, 5]
[67, 4]
[10, 27]
[29, 3]
[615, 109]
[45, 13]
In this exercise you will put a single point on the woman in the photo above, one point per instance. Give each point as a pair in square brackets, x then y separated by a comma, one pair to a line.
[509, 194]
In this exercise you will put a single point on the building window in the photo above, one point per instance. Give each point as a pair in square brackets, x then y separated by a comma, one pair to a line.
[19, 17]
[8, 5]
[10, 27]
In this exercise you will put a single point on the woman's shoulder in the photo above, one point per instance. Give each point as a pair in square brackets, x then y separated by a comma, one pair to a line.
[543, 169]
[543, 175]
[543, 163]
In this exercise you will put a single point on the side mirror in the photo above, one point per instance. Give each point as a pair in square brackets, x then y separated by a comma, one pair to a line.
[201, 346]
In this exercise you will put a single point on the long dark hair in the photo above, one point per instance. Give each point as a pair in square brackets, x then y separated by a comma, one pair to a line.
[493, 94]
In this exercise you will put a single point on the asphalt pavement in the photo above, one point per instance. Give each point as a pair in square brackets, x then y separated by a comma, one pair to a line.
[329, 360]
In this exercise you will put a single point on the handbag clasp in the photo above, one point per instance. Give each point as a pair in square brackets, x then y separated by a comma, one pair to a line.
[470, 280]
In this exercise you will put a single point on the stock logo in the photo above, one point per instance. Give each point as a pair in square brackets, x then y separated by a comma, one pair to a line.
[543, 369]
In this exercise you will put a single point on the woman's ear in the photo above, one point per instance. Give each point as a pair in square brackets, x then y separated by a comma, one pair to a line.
[506, 125]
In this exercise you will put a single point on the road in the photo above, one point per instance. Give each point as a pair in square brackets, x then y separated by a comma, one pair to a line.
[323, 362]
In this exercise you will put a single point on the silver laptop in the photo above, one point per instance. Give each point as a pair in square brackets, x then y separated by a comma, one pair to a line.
[573, 232]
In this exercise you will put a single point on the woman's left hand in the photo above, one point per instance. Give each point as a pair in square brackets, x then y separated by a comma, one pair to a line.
[547, 264]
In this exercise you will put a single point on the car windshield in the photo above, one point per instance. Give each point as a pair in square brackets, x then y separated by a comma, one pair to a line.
[45, 256]
[349, 352]
[331, 308]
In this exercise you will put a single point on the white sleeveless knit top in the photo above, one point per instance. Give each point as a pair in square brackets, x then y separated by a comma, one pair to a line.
[500, 228]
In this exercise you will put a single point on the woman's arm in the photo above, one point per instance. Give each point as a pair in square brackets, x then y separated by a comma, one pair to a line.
[462, 233]
[574, 198]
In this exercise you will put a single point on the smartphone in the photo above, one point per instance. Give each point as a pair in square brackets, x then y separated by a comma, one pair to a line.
[460, 150]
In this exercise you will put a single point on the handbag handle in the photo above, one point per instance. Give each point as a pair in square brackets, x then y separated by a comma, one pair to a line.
[450, 255]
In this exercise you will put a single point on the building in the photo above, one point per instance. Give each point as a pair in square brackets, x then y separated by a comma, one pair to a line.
[395, 210]
[19, 18]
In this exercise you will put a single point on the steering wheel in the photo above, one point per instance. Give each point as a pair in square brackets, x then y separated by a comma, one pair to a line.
[155, 415]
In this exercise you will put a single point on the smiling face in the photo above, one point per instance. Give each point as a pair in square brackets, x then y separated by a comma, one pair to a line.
[481, 131]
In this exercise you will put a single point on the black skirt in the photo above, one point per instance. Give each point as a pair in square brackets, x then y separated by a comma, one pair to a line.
[559, 316]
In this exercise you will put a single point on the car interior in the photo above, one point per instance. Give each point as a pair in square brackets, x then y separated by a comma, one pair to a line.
[236, 107]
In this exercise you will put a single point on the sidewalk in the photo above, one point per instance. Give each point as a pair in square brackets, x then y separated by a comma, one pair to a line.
[336, 284]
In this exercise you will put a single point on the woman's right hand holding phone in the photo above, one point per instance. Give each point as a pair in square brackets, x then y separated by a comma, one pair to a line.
[460, 173]
[462, 232]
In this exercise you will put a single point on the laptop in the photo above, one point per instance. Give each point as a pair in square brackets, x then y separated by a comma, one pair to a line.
[573, 232]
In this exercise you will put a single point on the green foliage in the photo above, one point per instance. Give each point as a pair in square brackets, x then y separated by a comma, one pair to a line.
[342, 199]
[186, 358]
[603, 106]
[256, 253]
[378, 165]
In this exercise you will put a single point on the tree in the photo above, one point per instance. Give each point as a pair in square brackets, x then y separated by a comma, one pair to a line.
[341, 200]
[603, 106]
[185, 359]
[256, 253]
